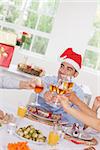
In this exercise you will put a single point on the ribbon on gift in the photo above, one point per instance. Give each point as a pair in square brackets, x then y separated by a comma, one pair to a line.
[3, 53]
[6, 53]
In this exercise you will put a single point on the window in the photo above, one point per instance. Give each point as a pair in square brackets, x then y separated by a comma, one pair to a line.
[92, 54]
[35, 17]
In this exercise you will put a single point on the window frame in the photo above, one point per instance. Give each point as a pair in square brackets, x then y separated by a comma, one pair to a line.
[95, 50]
[34, 32]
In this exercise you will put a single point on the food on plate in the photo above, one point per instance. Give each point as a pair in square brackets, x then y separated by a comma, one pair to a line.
[76, 133]
[29, 132]
[30, 70]
[75, 130]
[1, 114]
[6, 118]
[32, 109]
[43, 113]
[18, 146]
[0, 125]
[90, 148]
[56, 116]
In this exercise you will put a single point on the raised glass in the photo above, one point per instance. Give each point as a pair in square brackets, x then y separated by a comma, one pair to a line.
[38, 89]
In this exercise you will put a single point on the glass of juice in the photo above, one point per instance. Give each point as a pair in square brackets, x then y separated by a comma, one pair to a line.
[53, 137]
[21, 111]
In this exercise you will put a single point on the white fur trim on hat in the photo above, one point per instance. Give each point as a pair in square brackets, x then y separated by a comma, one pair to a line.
[73, 63]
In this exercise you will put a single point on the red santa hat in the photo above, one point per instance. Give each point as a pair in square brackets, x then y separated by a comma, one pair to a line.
[72, 58]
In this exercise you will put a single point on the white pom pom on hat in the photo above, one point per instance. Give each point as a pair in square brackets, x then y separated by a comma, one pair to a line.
[72, 58]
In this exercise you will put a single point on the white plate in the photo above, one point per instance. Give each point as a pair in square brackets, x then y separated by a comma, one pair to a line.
[85, 136]
[82, 135]
[30, 141]
[42, 117]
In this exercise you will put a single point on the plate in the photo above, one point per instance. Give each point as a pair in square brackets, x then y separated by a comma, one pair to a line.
[30, 134]
[42, 117]
[82, 135]
[30, 141]
[85, 136]
[41, 114]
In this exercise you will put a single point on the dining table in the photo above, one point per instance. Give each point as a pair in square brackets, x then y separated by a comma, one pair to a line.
[6, 137]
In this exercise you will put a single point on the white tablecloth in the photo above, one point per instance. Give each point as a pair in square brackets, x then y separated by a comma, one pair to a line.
[5, 138]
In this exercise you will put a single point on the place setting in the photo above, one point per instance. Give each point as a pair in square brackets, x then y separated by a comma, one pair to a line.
[77, 135]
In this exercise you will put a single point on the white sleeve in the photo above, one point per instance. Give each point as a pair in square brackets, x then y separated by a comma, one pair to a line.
[9, 83]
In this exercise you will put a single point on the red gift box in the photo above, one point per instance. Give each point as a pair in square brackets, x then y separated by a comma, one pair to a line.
[6, 53]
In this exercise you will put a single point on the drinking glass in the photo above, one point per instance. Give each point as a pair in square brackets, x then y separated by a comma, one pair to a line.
[3, 147]
[11, 127]
[38, 89]
[54, 90]
[21, 111]
[61, 88]
[67, 84]
[53, 137]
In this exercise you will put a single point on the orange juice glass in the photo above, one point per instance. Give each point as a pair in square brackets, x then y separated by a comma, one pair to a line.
[53, 138]
[21, 111]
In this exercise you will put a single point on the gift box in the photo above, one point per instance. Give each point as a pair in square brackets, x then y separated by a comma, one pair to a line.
[6, 53]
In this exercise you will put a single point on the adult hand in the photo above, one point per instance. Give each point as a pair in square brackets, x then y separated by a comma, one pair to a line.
[29, 84]
[32, 82]
[48, 96]
[36, 82]
[96, 103]
[72, 97]
[64, 101]
[25, 85]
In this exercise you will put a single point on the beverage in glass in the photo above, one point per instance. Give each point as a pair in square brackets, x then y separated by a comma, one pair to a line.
[21, 111]
[70, 85]
[60, 91]
[38, 89]
[52, 88]
[53, 138]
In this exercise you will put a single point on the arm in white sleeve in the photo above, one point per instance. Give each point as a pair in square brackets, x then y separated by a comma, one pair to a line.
[9, 83]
